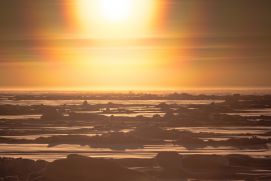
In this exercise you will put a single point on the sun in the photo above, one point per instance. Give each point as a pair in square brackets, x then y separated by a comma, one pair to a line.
[109, 11]
[116, 10]
[115, 18]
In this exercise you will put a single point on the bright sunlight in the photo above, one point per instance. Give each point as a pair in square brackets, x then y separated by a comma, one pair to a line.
[115, 19]
[117, 10]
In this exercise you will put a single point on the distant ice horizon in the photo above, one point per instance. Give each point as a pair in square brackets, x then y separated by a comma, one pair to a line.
[189, 90]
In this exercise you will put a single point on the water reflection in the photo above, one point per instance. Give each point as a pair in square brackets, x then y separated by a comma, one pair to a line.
[41, 151]
[127, 102]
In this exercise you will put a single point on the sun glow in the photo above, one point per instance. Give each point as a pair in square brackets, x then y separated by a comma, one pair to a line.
[115, 19]
[117, 10]
[112, 43]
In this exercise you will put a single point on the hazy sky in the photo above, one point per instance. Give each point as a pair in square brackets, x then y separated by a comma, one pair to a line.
[182, 43]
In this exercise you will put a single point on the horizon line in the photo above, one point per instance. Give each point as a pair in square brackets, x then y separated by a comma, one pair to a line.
[122, 89]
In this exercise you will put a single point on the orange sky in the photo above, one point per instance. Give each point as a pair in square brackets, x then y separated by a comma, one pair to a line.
[134, 44]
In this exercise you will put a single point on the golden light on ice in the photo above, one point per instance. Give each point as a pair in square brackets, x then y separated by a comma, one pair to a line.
[115, 18]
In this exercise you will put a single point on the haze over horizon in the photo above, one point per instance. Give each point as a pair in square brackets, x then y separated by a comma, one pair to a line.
[134, 44]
